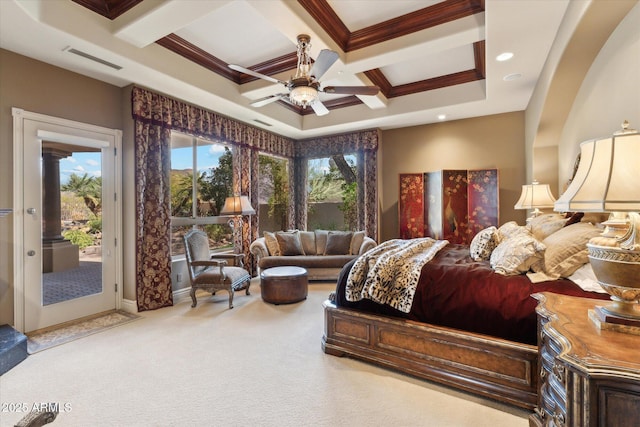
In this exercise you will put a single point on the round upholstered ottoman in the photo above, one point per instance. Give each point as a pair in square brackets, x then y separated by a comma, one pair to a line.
[283, 285]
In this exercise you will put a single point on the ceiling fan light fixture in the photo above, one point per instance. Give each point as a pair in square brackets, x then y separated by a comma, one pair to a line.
[303, 95]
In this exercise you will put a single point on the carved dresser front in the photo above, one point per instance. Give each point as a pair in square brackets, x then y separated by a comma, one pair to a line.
[587, 376]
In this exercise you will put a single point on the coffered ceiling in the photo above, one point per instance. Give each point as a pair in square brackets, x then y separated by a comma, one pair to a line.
[429, 57]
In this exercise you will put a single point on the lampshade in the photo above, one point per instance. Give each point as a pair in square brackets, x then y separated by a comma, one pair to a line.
[535, 196]
[237, 205]
[608, 176]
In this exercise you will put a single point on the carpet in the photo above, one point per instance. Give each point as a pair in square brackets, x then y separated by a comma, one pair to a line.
[257, 364]
[43, 339]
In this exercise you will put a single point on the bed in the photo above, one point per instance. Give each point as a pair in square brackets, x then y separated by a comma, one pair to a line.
[469, 327]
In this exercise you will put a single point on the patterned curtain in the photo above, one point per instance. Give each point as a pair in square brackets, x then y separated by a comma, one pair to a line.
[153, 231]
[365, 145]
[155, 116]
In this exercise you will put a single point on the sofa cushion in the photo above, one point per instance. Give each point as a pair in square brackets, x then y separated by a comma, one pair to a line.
[305, 261]
[272, 243]
[308, 239]
[321, 240]
[356, 242]
[338, 243]
[289, 243]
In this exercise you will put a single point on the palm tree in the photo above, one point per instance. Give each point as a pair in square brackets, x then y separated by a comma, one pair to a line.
[87, 187]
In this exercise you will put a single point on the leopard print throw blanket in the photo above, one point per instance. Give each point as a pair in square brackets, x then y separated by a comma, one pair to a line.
[389, 273]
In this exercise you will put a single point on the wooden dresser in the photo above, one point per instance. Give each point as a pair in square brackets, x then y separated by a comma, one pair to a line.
[587, 376]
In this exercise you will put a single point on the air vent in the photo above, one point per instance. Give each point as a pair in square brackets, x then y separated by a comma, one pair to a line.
[262, 123]
[93, 58]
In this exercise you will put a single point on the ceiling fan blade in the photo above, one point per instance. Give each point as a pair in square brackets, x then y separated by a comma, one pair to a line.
[352, 90]
[323, 62]
[319, 108]
[255, 74]
[267, 100]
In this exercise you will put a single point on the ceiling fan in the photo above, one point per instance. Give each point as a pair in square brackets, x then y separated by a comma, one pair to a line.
[304, 87]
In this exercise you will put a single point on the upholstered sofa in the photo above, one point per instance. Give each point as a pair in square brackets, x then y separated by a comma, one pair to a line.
[322, 253]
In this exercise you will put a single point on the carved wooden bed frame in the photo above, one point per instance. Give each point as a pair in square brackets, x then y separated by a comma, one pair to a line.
[490, 367]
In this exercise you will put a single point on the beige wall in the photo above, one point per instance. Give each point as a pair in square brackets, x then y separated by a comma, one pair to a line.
[609, 94]
[587, 86]
[41, 88]
[479, 143]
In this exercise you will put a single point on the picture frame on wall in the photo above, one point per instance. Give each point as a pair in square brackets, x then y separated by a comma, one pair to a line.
[411, 205]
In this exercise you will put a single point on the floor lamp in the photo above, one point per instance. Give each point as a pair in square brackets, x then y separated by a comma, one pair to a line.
[236, 207]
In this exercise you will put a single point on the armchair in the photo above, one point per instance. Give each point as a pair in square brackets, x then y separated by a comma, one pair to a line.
[213, 273]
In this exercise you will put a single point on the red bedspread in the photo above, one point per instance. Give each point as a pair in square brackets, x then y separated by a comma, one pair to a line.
[457, 292]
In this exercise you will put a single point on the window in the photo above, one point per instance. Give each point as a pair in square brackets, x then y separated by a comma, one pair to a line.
[197, 198]
[332, 193]
[273, 193]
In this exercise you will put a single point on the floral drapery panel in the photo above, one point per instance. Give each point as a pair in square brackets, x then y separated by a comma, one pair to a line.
[155, 116]
[365, 145]
[153, 220]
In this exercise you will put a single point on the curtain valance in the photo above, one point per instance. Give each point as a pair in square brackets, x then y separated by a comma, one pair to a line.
[366, 140]
[153, 108]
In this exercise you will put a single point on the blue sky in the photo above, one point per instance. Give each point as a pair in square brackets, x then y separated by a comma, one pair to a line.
[208, 157]
[80, 163]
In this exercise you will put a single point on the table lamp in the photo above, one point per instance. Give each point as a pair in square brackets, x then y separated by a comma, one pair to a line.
[535, 196]
[608, 180]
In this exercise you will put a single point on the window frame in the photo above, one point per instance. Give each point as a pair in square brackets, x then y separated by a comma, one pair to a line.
[195, 221]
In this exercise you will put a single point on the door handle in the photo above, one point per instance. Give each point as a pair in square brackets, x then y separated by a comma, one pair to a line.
[31, 211]
[31, 252]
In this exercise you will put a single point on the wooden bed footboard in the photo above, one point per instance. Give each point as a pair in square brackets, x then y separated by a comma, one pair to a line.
[490, 367]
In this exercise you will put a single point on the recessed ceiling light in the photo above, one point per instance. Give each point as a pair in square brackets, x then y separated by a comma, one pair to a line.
[442, 116]
[510, 77]
[504, 56]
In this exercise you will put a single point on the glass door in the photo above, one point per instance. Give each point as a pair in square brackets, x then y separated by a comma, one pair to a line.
[70, 222]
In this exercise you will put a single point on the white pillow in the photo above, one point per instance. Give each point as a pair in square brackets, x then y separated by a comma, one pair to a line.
[509, 229]
[516, 254]
[483, 244]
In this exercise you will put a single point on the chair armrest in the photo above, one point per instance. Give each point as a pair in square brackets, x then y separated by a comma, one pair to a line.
[209, 263]
[367, 243]
[259, 248]
[237, 260]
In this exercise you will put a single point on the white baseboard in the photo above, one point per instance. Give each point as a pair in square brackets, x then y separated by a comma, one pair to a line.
[128, 305]
[181, 295]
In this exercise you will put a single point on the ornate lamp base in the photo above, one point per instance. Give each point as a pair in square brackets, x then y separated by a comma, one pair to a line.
[618, 272]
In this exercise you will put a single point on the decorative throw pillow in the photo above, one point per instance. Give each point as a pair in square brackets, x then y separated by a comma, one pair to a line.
[308, 240]
[321, 240]
[356, 242]
[567, 250]
[574, 218]
[272, 243]
[483, 244]
[509, 229]
[516, 254]
[289, 243]
[544, 225]
[338, 243]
